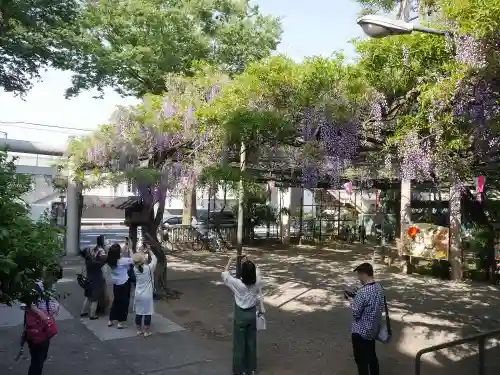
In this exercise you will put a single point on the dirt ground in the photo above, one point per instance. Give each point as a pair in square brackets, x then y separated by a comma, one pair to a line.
[309, 321]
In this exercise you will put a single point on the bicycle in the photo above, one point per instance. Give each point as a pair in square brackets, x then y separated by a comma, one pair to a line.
[209, 242]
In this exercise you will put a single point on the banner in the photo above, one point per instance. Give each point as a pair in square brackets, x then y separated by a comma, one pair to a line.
[427, 241]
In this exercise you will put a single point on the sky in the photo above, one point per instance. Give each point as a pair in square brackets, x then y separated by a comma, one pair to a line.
[310, 28]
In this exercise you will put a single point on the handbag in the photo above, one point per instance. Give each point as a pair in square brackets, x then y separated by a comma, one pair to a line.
[261, 321]
[39, 326]
[83, 280]
[385, 332]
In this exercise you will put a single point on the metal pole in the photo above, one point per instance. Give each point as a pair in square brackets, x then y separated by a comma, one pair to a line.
[430, 31]
[241, 197]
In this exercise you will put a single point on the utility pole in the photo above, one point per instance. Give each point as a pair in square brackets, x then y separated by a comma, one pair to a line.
[241, 197]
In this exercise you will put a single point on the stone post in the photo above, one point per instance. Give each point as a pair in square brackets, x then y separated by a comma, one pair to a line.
[455, 254]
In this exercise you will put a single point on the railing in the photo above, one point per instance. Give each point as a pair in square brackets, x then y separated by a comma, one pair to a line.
[480, 338]
[103, 222]
[186, 234]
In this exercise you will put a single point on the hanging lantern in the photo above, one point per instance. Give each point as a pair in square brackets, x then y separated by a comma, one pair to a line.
[103, 205]
[348, 187]
[479, 184]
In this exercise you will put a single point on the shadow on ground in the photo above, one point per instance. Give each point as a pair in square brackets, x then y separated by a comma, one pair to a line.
[309, 322]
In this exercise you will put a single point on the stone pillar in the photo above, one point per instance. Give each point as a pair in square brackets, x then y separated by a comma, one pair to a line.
[72, 218]
[405, 212]
[291, 202]
[455, 254]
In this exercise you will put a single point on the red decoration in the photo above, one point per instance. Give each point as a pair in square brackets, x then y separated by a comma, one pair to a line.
[103, 205]
[412, 232]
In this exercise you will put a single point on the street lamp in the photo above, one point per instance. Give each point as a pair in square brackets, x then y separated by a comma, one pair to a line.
[379, 27]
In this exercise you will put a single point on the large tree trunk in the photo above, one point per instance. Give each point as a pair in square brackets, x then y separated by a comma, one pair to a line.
[150, 235]
[132, 235]
[189, 209]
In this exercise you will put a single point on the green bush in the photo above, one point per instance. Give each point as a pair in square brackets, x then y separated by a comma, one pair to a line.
[29, 250]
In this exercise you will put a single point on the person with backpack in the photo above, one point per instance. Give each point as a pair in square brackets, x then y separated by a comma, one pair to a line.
[144, 288]
[247, 290]
[367, 305]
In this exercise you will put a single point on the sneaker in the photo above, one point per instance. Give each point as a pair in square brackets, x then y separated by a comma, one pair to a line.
[94, 317]
[111, 323]
[121, 325]
[83, 315]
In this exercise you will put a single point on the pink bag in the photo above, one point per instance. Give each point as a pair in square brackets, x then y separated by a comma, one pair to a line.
[39, 326]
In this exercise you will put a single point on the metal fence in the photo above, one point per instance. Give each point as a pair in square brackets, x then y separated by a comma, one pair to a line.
[480, 338]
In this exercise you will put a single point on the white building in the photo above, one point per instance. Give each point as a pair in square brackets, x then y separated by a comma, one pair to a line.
[43, 170]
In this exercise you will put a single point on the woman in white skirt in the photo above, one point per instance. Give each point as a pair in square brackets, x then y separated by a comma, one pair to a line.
[143, 302]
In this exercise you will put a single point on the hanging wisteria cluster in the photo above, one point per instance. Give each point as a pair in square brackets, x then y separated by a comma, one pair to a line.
[175, 148]
[415, 157]
[467, 116]
[331, 145]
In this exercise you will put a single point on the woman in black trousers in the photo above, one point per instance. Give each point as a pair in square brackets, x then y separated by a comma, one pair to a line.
[121, 286]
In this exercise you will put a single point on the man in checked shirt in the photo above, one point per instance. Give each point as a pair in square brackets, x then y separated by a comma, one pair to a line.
[367, 304]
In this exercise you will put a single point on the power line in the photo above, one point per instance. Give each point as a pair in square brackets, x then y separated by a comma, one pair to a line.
[31, 127]
[13, 123]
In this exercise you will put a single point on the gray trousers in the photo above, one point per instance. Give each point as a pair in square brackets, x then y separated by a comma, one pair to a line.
[244, 340]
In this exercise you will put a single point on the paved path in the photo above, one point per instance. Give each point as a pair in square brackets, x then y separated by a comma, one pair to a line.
[90, 347]
[309, 322]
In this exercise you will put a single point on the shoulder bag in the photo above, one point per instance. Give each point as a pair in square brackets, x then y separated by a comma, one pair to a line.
[39, 326]
[385, 333]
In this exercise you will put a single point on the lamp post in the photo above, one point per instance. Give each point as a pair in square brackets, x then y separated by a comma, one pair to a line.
[380, 27]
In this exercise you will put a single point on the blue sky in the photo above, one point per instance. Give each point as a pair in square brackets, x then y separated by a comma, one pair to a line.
[312, 27]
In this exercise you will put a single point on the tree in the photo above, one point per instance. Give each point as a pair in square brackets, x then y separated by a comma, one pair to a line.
[28, 249]
[406, 10]
[131, 45]
[159, 145]
[308, 118]
[32, 33]
[442, 94]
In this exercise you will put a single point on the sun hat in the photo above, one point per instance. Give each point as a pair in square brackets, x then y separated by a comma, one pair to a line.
[138, 259]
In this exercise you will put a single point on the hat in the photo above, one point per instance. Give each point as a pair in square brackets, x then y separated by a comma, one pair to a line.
[365, 268]
[138, 258]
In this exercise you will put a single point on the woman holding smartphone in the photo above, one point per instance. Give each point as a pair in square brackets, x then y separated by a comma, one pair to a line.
[247, 290]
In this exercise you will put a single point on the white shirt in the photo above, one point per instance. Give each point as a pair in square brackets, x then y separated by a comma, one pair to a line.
[119, 274]
[144, 288]
[244, 296]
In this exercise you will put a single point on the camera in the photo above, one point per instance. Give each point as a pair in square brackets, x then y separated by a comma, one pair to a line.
[349, 294]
